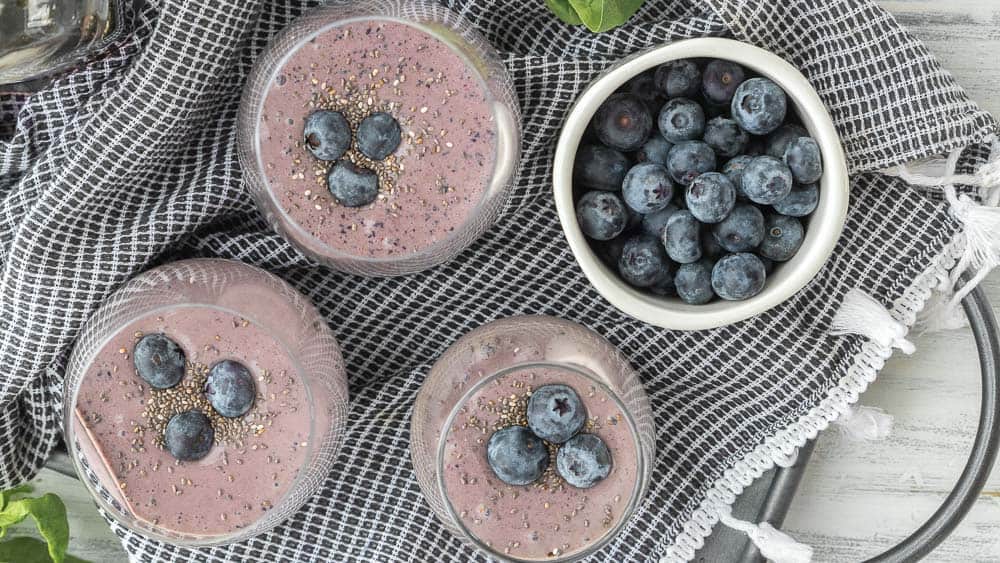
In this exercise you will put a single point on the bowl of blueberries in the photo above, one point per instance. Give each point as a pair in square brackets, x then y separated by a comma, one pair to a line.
[700, 183]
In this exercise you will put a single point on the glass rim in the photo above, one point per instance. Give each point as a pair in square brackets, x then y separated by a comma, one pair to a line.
[638, 488]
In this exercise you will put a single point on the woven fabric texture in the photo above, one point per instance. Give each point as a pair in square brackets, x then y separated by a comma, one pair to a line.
[130, 161]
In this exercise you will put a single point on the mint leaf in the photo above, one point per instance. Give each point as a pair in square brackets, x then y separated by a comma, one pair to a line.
[49, 514]
[9, 494]
[564, 11]
[602, 15]
[25, 549]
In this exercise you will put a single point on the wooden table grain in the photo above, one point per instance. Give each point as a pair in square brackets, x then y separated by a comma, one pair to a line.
[856, 499]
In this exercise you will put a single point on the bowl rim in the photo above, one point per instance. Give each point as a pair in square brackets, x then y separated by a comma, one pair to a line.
[825, 224]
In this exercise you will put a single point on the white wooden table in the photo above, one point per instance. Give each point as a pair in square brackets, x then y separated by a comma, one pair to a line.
[856, 499]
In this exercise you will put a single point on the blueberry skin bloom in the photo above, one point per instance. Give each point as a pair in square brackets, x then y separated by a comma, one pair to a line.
[602, 215]
[694, 282]
[678, 79]
[516, 456]
[584, 461]
[801, 201]
[726, 137]
[782, 237]
[778, 141]
[655, 150]
[556, 413]
[682, 237]
[623, 122]
[159, 361]
[681, 119]
[804, 160]
[738, 276]
[654, 223]
[742, 230]
[352, 185]
[643, 262]
[710, 197]
[734, 171]
[189, 435]
[600, 168]
[378, 135]
[647, 188]
[720, 81]
[766, 180]
[230, 388]
[759, 106]
[687, 160]
[327, 134]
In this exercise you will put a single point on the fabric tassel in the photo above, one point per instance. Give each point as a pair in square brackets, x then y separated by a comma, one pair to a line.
[773, 544]
[865, 423]
[861, 314]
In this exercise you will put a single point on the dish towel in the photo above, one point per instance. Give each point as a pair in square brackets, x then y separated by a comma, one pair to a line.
[130, 161]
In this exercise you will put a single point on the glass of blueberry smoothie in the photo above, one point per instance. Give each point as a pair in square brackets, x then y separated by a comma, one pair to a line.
[205, 402]
[533, 439]
[381, 138]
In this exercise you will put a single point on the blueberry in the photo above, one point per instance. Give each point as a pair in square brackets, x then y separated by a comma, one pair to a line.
[665, 286]
[643, 262]
[681, 237]
[804, 160]
[378, 135]
[655, 150]
[759, 106]
[689, 159]
[768, 264]
[766, 180]
[681, 119]
[647, 187]
[602, 215]
[782, 237]
[600, 168]
[654, 223]
[694, 282]
[710, 197]
[584, 461]
[611, 251]
[801, 201]
[725, 137]
[327, 134]
[741, 230]
[756, 146]
[709, 246]
[230, 388]
[720, 81]
[634, 220]
[556, 413]
[352, 185]
[777, 141]
[516, 456]
[623, 122]
[734, 171]
[678, 79]
[643, 87]
[189, 435]
[159, 361]
[738, 276]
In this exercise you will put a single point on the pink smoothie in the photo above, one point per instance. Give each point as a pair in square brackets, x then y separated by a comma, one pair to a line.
[548, 518]
[438, 175]
[119, 422]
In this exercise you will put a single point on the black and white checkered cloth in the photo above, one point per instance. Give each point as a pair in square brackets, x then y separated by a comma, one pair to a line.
[130, 161]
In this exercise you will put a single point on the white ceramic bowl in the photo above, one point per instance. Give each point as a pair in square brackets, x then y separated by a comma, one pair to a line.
[822, 229]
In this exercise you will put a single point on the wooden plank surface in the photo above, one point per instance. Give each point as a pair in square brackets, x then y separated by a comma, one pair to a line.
[856, 499]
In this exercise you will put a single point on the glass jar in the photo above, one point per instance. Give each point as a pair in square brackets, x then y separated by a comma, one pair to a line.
[481, 384]
[263, 465]
[459, 122]
[39, 37]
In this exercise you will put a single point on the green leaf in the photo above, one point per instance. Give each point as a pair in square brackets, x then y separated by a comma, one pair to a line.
[564, 11]
[25, 549]
[602, 15]
[49, 514]
[9, 493]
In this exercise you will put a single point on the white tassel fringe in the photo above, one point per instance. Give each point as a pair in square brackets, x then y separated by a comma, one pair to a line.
[865, 423]
[861, 314]
[773, 544]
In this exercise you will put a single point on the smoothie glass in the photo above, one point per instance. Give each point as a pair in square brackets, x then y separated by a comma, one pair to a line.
[495, 356]
[294, 334]
[473, 58]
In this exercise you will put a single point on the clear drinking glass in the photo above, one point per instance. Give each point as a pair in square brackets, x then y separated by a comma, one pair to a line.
[475, 385]
[38, 37]
[263, 466]
[460, 121]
